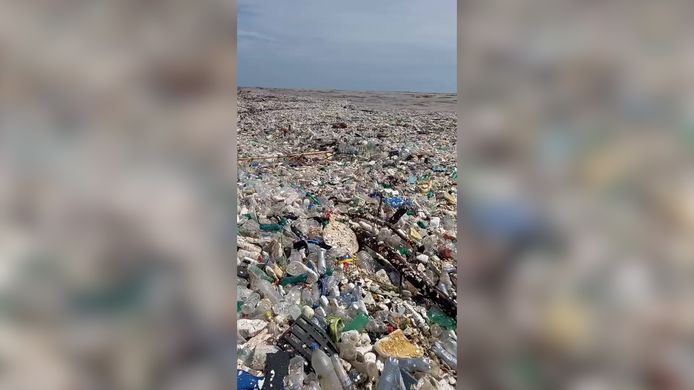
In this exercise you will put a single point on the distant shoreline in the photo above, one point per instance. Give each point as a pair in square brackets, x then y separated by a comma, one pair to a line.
[347, 91]
[388, 100]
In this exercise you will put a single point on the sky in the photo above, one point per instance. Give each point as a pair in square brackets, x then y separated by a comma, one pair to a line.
[360, 45]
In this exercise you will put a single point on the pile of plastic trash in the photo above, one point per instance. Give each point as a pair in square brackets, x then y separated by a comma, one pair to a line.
[346, 262]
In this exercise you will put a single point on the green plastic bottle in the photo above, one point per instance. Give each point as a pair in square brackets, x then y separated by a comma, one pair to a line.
[358, 323]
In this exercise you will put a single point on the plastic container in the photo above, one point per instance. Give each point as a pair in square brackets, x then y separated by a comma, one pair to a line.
[249, 303]
[341, 373]
[259, 273]
[367, 368]
[420, 364]
[320, 263]
[295, 268]
[358, 323]
[437, 317]
[263, 309]
[269, 291]
[295, 378]
[290, 280]
[325, 370]
[444, 355]
[390, 378]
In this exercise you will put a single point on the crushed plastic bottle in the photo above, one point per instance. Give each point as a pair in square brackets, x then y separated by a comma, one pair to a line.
[295, 378]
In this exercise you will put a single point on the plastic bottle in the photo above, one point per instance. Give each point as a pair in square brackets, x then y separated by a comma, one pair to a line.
[290, 280]
[357, 377]
[366, 262]
[421, 364]
[341, 373]
[367, 368]
[391, 378]
[311, 275]
[323, 367]
[350, 336]
[295, 268]
[293, 295]
[268, 291]
[244, 354]
[358, 323]
[347, 351]
[315, 293]
[444, 355]
[321, 266]
[295, 378]
[295, 255]
[449, 342]
[259, 273]
[250, 303]
[418, 319]
[445, 283]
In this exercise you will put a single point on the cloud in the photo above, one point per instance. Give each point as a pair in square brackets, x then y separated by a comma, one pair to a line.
[384, 45]
[254, 36]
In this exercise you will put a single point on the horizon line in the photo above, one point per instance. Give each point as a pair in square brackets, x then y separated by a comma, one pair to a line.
[345, 90]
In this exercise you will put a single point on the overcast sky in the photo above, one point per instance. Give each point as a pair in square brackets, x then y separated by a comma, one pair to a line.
[377, 45]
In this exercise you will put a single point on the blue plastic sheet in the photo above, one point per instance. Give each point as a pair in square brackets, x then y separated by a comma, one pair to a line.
[246, 381]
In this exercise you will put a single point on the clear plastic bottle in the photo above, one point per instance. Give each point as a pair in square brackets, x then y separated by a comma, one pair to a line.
[444, 355]
[341, 373]
[347, 351]
[263, 310]
[295, 378]
[308, 297]
[268, 291]
[259, 273]
[244, 354]
[295, 255]
[445, 282]
[391, 378]
[250, 303]
[448, 342]
[320, 262]
[366, 262]
[325, 370]
[295, 268]
[421, 364]
[315, 293]
[367, 368]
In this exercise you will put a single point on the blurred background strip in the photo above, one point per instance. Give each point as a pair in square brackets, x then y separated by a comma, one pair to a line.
[117, 131]
[576, 139]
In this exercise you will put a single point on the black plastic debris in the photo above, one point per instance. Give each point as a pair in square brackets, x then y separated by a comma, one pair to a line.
[302, 335]
[276, 368]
